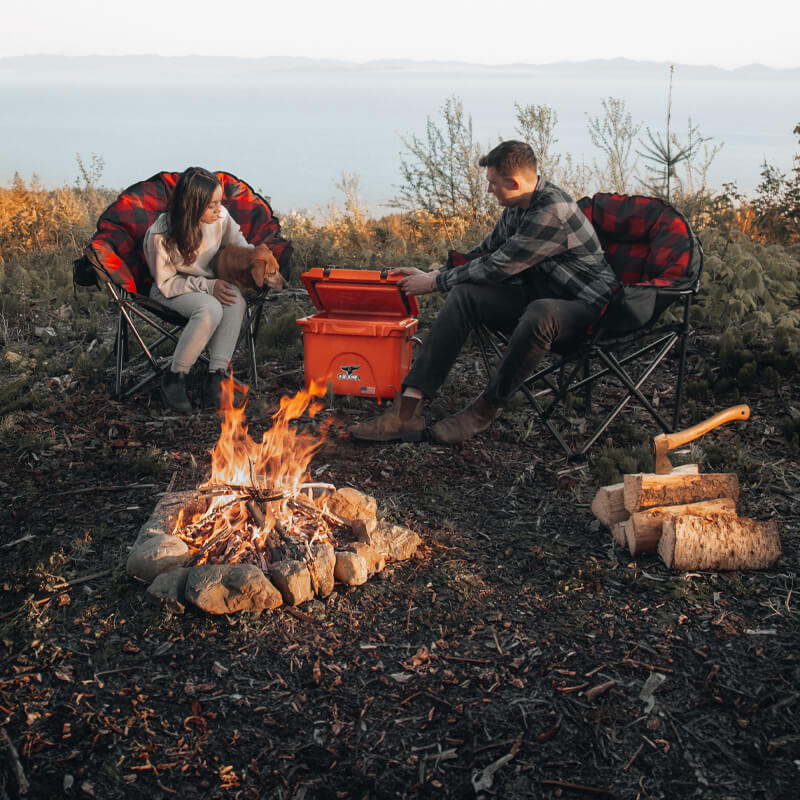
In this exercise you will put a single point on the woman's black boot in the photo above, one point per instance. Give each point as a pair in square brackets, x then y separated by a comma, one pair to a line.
[214, 390]
[173, 391]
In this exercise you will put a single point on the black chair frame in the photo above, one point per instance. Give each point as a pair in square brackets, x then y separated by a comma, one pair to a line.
[571, 373]
[132, 306]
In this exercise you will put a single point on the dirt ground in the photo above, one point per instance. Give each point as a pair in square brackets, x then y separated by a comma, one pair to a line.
[508, 660]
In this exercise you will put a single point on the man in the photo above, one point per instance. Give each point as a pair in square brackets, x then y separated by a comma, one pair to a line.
[539, 276]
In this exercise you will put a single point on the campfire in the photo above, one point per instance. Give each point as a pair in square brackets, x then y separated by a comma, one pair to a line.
[259, 532]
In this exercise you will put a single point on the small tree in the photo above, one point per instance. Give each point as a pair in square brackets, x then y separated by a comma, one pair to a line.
[666, 154]
[536, 125]
[777, 202]
[614, 134]
[440, 171]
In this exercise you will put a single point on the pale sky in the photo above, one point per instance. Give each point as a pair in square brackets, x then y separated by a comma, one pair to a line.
[724, 33]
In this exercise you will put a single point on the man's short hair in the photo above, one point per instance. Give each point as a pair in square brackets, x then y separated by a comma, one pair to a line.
[509, 157]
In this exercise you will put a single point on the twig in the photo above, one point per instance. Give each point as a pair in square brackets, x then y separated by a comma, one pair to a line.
[633, 758]
[301, 503]
[596, 691]
[225, 533]
[256, 513]
[468, 659]
[16, 765]
[578, 787]
[26, 538]
[172, 482]
[242, 489]
[201, 523]
[116, 671]
[299, 614]
[82, 579]
[85, 489]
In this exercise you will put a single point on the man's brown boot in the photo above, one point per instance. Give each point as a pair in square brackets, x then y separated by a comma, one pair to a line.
[476, 417]
[403, 421]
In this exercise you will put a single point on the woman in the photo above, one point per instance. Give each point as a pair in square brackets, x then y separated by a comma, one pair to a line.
[178, 248]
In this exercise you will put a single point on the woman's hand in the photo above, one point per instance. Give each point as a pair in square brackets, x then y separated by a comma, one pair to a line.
[415, 281]
[224, 292]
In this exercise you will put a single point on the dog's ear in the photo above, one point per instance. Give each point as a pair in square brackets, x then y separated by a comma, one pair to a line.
[258, 271]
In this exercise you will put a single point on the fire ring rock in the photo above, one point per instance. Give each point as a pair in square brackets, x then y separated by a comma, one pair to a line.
[293, 580]
[157, 553]
[351, 505]
[351, 568]
[393, 542]
[225, 588]
[169, 589]
[374, 560]
[323, 564]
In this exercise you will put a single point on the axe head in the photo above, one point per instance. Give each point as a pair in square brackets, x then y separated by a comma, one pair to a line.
[660, 448]
[665, 442]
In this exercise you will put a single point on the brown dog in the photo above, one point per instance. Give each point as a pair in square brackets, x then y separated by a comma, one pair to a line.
[248, 267]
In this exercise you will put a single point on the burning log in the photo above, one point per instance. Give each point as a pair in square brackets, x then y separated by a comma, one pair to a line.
[256, 517]
[718, 542]
[259, 517]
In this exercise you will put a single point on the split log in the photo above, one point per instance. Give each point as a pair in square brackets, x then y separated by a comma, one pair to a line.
[648, 490]
[643, 529]
[619, 532]
[718, 542]
[609, 503]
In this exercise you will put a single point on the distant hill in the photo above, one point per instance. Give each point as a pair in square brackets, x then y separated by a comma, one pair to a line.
[154, 70]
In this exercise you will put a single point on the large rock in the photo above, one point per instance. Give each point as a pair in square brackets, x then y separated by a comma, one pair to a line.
[165, 514]
[350, 569]
[293, 581]
[350, 506]
[393, 542]
[375, 561]
[157, 553]
[324, 563]
[169, 589]
[225, 588]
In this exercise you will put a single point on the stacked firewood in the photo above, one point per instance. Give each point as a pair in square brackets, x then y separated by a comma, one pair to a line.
[689, 518]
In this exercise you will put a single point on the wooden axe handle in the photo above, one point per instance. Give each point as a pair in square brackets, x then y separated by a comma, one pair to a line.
[673, 440]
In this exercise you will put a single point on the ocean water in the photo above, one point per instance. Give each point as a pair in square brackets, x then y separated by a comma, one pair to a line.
[292, 133]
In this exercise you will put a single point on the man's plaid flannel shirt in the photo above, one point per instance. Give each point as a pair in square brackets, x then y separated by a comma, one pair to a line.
[552, 235]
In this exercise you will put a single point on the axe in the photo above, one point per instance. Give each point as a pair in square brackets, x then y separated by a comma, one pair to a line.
[669, 441]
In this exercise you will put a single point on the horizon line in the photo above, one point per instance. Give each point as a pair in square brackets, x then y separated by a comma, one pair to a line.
[405, 60]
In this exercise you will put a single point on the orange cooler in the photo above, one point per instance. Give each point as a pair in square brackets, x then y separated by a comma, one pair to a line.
[360, 342]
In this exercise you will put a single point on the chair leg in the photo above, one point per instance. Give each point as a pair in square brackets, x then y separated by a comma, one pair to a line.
[252, 324]
[121, 352]
[587, 371]
[684, 334]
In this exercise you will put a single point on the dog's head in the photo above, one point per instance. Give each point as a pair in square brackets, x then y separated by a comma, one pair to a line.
[264, 269]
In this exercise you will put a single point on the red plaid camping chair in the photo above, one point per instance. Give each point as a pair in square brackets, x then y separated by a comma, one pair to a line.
[115, 259]
[658, 261]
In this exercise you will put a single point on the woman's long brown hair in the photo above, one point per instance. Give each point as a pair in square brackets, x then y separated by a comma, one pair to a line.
[190, 198]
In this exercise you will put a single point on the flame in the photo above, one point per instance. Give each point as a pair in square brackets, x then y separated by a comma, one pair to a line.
[277, 467]
[281, 460]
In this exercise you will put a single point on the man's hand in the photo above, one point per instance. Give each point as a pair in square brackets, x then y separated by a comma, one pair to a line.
[224, 292]
[415, 281]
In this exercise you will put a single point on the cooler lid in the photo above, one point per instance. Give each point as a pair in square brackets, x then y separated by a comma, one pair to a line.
[358, 291]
